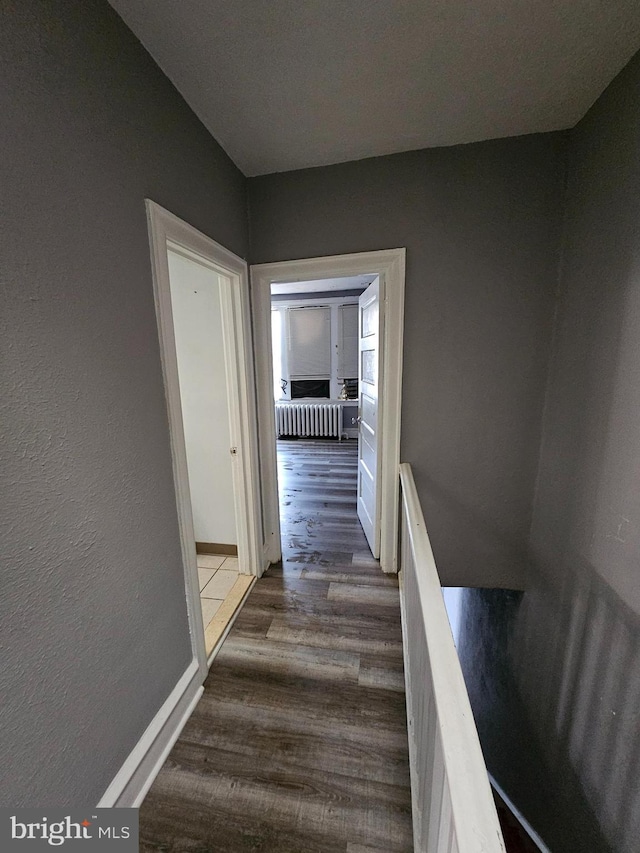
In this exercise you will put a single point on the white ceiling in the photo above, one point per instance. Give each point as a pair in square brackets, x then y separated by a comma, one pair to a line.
[285, 84]
[322, 285]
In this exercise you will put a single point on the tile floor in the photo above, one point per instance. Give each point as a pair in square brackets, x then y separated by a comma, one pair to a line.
[218, 575]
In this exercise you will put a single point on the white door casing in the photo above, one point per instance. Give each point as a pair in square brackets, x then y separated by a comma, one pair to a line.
[167, 231]
[389, 264]
[370, 338]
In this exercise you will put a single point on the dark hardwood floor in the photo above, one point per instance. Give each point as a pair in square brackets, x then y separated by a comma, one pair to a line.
[299, 744]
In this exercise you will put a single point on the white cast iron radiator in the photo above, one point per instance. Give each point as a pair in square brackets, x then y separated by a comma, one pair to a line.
[320, 420]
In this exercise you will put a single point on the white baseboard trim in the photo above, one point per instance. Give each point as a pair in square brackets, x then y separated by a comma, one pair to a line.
[349, 432]
[132, 782]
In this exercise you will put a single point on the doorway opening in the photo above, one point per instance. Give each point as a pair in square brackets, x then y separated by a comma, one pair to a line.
[328, 335]
[201, 293]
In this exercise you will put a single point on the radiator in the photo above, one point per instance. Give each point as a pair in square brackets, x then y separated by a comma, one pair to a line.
[319, 420]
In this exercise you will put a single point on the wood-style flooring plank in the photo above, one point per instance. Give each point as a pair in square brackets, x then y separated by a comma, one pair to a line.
[309, 743]
[313, 699]
[275, 807]
[387, 674]
[269, 656]
[299, 743]
[346, 574]
[336, 633]
[368, 594]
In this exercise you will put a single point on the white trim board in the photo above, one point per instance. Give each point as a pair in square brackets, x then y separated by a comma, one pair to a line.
[132, 782]
[389, 264]
[142, 765]
[290, 302]
[136, 776]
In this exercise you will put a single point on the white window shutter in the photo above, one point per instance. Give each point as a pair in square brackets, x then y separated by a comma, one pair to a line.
[310, 342]
[348, 342]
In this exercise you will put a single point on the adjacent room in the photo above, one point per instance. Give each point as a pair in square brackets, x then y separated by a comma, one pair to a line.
[204, 407]
[314, 330]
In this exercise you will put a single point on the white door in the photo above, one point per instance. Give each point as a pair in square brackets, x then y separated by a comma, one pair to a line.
[370, 319]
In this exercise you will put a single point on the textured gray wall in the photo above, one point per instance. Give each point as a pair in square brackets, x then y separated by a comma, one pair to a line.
[92, 640]
[481, 226]
[526, 759]
[517, 757]
[578, 653]
[588, 492]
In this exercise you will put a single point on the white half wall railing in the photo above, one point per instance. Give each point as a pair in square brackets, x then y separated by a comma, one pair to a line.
[453, 808]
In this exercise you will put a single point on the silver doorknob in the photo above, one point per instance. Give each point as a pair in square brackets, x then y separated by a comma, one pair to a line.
[355, 421]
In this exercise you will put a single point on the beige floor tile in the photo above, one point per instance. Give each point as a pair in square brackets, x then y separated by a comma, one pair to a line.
[210, 607]
[209, 561]
[220, 584]
[204, 576]
[230, 564]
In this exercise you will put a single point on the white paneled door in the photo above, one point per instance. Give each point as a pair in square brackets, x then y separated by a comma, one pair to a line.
[370, 359]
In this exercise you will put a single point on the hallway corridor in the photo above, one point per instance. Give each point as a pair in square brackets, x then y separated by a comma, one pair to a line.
[299, 743]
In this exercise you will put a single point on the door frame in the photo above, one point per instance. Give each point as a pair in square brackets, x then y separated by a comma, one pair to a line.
[389, 264]
[167, 231]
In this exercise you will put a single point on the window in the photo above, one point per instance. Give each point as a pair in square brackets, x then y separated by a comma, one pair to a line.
[309, 388]
[351, 386]
[315, 348]
[348, 341]
[309, 349]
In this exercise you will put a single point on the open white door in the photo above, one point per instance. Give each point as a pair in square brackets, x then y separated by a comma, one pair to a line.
[370, 319]
[168, 234]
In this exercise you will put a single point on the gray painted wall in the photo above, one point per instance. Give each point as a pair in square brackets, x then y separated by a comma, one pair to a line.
[481, 226]
[92, 641]
[578, 645]
[92, 638]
